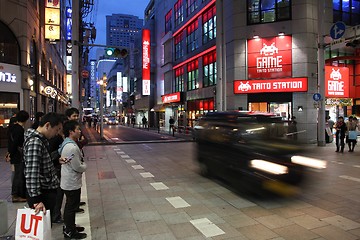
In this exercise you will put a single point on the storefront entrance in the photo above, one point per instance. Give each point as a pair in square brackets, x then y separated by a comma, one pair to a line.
[277, 103]
[279, 109]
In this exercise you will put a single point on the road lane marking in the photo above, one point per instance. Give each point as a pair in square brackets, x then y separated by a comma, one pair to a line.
[117, 149]
[178, 202]
[357, 166]
[120, 153]
[137, 167]
[130, 161]
[159, 186]
[206, 227]
[124, 156]
[350, 178]
[146, 175]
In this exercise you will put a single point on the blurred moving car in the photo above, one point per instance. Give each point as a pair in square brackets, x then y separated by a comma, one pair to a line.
[112, 121]
[252, 150]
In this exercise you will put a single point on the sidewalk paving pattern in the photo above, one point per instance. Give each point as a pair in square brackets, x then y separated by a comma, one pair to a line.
[129, 195]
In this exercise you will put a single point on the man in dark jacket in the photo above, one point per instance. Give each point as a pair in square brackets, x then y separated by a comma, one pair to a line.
[15, 144]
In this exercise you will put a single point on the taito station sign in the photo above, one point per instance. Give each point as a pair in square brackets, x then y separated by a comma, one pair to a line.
[336, 82]
[270, 57]
[271, 85]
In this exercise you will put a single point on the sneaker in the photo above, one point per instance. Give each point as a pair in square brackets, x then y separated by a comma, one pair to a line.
[82, 203]
[74, 235]
[80, 210]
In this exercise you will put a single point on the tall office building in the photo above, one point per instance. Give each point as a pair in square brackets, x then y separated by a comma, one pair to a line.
[121, 29]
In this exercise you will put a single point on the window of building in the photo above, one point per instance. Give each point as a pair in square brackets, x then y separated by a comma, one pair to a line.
[43, 66]
[9, 46]
[264, 11]
[168, 18]
[179, 12]
[193, 75]
[347, 11]
[209, 63]
[197, 108]
[209, 25]
[179, 51]
[179, 80]
[191, 6]
[191, 39]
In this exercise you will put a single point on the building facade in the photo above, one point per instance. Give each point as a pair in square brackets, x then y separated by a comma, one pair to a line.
[259, 56]
[32, 69]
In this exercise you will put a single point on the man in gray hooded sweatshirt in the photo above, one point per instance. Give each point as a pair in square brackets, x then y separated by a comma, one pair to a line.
[71, 177]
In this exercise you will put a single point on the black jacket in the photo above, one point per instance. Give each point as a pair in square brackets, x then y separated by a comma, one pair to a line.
[15, 143]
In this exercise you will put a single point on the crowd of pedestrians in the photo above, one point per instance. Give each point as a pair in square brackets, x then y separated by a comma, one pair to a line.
[346, 132]
[47, 162]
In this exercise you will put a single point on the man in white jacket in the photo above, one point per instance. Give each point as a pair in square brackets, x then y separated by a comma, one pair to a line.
[71, 177]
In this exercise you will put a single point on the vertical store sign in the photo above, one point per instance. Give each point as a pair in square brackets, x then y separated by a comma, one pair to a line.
[146, 62]
[52, 20]
[68, 23]
[270, 57]
[119, 89]
[336, 82]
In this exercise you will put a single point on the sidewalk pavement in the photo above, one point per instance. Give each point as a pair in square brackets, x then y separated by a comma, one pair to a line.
[99, 181]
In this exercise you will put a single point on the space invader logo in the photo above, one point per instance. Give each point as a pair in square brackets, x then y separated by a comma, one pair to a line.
[335, 74]
[269, 60]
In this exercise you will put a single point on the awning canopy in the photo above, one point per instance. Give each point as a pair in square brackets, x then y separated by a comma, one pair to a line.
[159, 108]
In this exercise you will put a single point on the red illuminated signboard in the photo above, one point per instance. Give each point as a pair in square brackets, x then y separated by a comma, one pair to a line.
[270, 57]
[146, 62]
[169, 98]
[271, 85]
[336, 82]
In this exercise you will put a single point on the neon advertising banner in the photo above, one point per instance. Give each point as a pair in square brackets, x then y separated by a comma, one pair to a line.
[170, 98]
[271, 85]
[146, 62]
[336, 82]
[270, 57]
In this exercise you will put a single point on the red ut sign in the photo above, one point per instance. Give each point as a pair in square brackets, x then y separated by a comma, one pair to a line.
[27, 227]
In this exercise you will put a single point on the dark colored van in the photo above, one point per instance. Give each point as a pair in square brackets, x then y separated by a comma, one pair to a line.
[252, 150]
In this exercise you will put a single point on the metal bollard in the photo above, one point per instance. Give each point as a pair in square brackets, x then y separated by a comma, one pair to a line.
[4, 215]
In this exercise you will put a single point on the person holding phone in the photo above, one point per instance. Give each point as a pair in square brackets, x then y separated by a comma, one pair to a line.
[71, 178]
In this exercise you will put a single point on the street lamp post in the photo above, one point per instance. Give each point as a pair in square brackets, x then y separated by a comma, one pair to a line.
[101, 83]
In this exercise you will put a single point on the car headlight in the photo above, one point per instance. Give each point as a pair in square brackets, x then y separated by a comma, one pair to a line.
[269, 167]
[309, 162]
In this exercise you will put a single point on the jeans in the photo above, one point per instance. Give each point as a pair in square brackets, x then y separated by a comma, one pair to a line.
[71, 205]
[18, 184]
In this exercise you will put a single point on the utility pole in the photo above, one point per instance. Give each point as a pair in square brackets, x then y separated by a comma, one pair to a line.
[75, 53]
[321, 73]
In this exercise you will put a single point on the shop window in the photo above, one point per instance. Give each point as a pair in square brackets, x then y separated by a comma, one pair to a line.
[179, 80]
[179, 12]
[193, 75]
[347, 11]
[210, 72]
[191, 6]
[9, 105]
[265, 11]
[209, 25]
[179, 51]
[9, 46]
[168, 19]
[191, 39]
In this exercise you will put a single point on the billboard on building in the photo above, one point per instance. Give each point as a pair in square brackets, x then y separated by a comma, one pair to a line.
[52, 20]
[146, 62]
[270, 57]
[271, 85]
[336, 82]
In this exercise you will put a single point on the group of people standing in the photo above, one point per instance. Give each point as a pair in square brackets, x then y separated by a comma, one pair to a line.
[346, 132]
[48, 162]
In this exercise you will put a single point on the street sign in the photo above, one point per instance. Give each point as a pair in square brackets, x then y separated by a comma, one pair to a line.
[337, 30]
[338, 43]
[317, 96]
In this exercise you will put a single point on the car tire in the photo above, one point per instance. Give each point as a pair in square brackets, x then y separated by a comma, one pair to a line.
[204, 169]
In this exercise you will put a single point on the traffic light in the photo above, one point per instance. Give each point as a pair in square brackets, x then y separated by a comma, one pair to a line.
[116, 52]
[354, 43]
